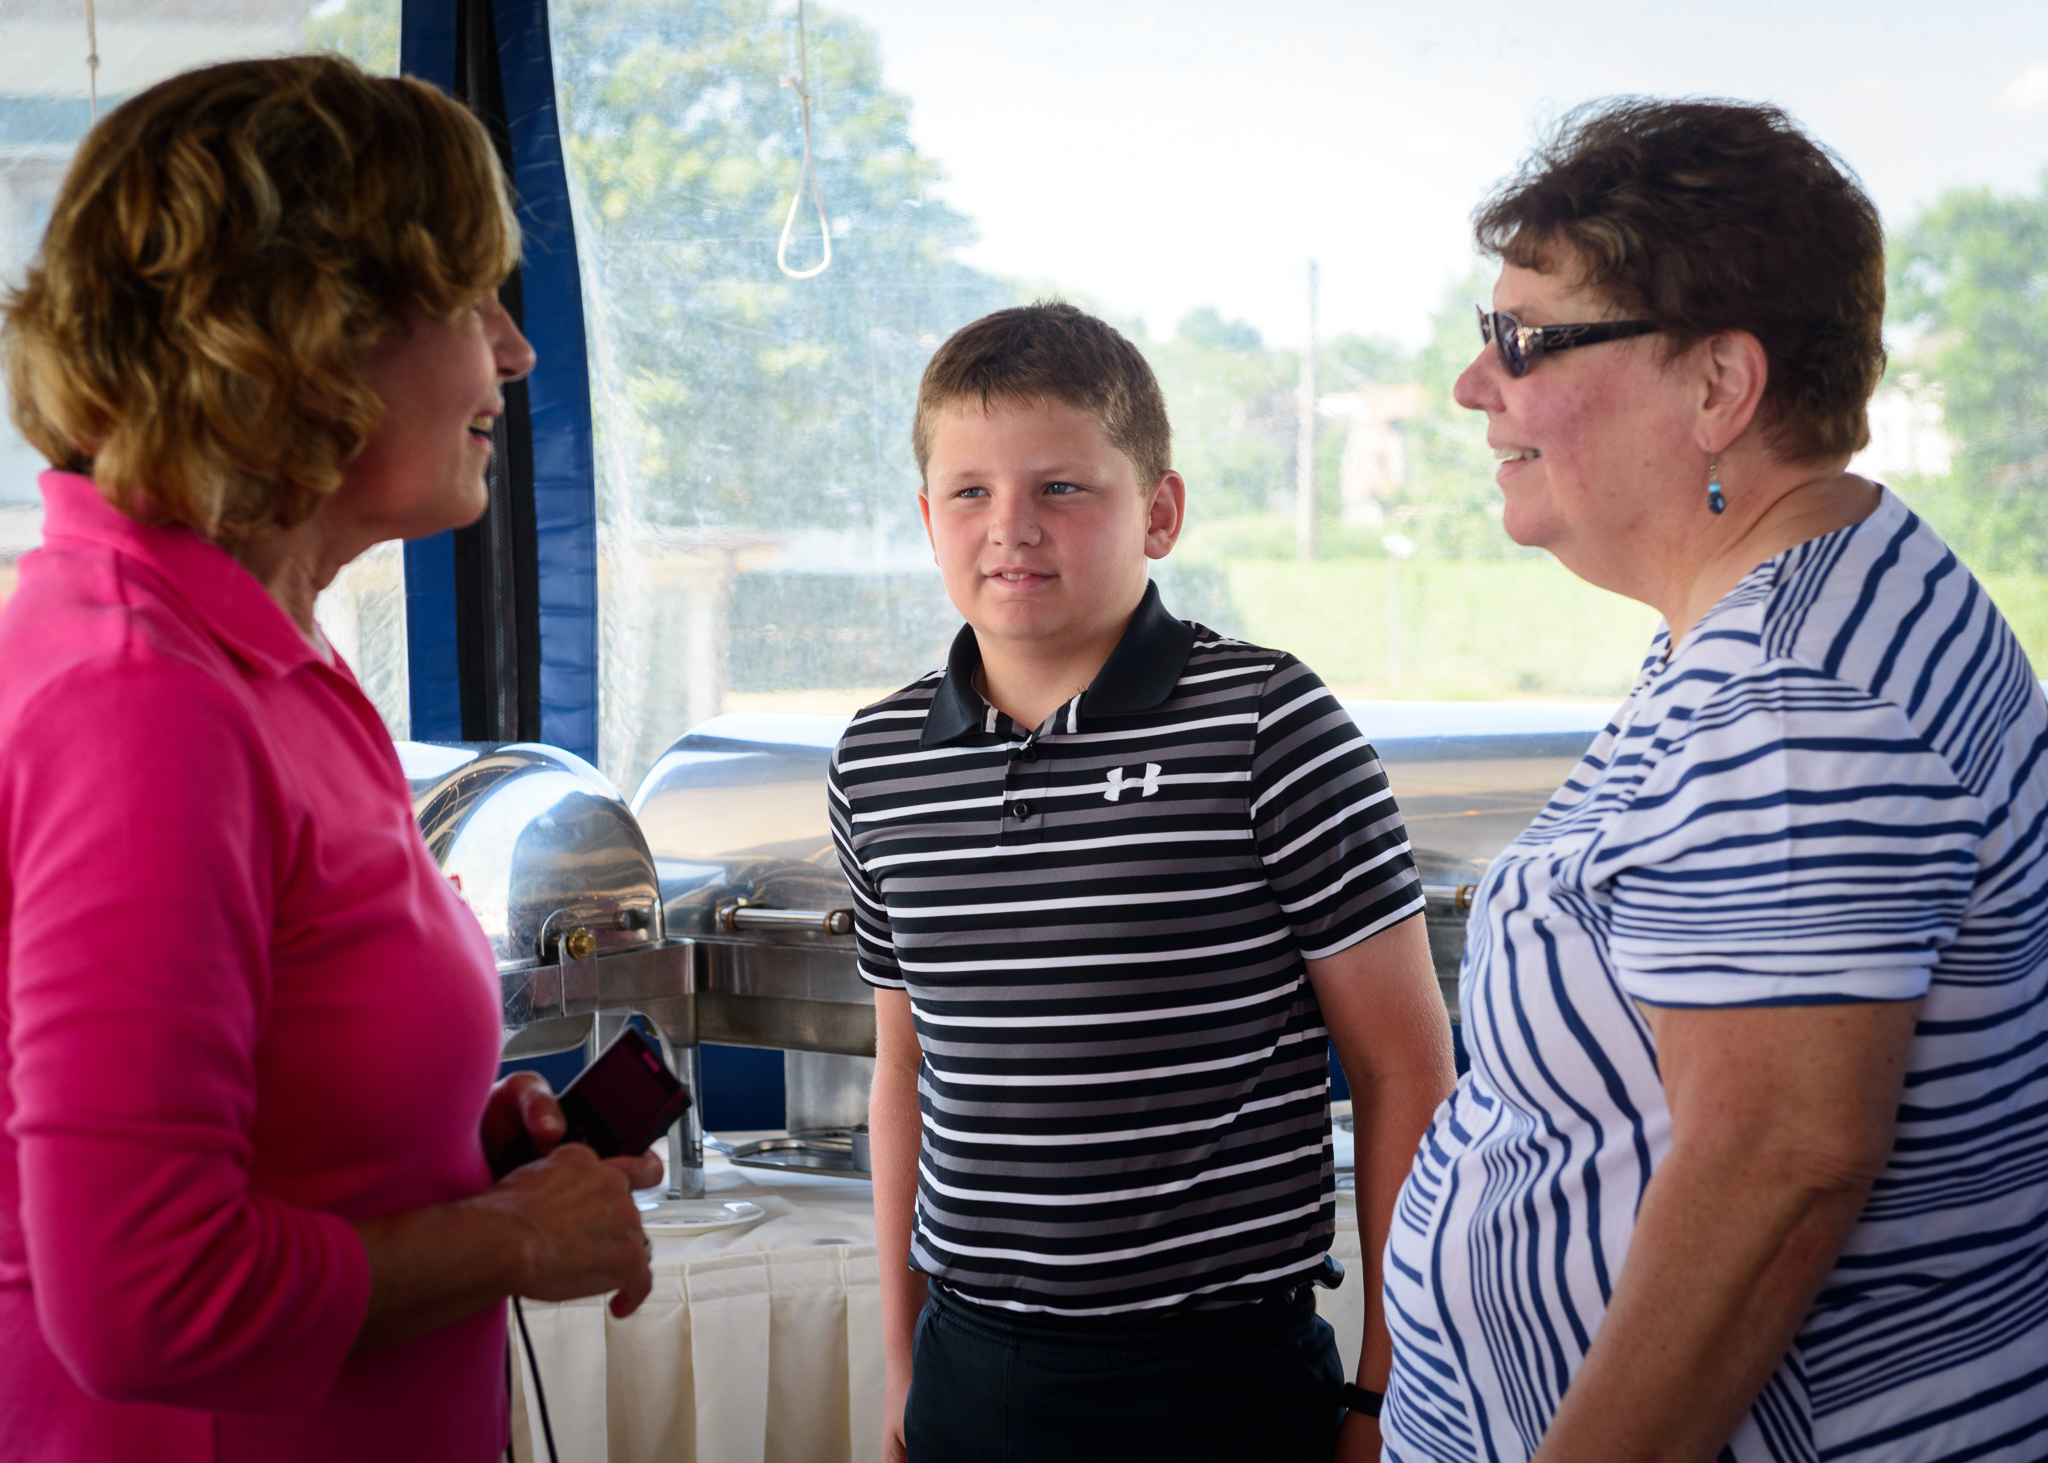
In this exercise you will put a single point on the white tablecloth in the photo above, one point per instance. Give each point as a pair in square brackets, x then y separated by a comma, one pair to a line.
[761, 1343]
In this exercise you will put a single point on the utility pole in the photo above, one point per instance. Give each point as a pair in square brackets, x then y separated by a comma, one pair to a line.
[1305, 439]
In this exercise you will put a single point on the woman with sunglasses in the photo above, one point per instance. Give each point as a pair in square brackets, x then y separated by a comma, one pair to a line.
[1752, 1160]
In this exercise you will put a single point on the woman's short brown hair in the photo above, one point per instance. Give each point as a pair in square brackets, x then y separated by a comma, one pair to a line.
[1706, 216]
[225, 245]
[1051, 351]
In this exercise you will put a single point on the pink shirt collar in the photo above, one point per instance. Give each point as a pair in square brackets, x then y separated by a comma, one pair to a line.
[235, 608]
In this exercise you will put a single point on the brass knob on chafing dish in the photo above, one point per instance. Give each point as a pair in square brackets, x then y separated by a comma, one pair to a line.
[579, 944]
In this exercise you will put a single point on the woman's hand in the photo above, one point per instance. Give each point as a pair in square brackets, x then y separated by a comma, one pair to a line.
[521, 1106]
[559, 1227]
[576, 1228]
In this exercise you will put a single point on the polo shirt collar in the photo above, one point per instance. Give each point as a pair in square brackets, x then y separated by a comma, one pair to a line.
[1139, 674]
[227, 599]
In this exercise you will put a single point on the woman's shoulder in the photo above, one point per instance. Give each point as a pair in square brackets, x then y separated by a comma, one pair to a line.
[87, 638]
[1880, 620]
[1885, 606]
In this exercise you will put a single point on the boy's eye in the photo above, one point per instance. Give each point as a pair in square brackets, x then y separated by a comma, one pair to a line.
[972, 493]
[1062, 489]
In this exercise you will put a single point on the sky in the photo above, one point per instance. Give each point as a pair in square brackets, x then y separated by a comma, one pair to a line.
[1154, 156]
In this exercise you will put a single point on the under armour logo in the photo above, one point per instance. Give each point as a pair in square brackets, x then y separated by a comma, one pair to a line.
[1117, 783]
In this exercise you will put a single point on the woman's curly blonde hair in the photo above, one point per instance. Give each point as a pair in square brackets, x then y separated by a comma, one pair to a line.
[223, 248]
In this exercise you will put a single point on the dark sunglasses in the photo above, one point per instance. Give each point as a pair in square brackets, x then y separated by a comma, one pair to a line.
[1519, 345]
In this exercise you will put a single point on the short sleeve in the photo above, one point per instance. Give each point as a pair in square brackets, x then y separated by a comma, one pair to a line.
[1327, 829]
[1795, 844]
[874, 946]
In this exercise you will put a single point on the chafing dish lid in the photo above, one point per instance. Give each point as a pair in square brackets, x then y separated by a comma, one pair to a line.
[539, 843]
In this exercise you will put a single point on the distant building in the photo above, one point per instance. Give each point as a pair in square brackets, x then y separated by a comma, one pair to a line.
[1375, 461]
[1907, 437]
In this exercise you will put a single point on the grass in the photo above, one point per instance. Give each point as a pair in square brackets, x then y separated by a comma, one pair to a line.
[2023, 600]
[1468, 630]
[1441, 628]
[1450, 630]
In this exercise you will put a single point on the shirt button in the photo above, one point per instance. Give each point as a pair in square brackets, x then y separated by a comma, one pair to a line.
[1029, 753]
[1020, 810]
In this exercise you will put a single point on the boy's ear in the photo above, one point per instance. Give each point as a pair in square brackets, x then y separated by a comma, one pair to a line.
[924, 511]
[1165, 514]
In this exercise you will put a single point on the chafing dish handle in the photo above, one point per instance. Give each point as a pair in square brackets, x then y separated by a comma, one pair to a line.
[1458, 896]
[740, 915]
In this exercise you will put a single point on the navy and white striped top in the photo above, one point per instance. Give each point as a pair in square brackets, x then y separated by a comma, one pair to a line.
[1835, 790]
[1101, 923]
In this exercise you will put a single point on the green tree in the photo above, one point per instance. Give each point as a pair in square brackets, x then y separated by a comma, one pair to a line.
[365, 31]
[1450, 503]
[750, 399]
[1969, 276]
[1232, 405]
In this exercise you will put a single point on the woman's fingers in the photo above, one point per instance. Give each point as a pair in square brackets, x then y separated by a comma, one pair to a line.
[643, 1172]
[630, 1296]
[521, 1120]
[539, 1112]
[583, 1231]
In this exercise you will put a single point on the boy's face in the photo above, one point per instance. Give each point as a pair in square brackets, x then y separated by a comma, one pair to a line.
[1040, 527]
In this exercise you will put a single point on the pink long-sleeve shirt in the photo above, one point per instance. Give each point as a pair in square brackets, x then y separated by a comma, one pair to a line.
[241, 1008]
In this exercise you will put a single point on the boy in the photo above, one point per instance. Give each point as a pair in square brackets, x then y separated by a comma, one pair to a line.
[1115, 875]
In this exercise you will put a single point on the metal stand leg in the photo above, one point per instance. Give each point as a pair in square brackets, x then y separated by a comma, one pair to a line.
[686, 1138]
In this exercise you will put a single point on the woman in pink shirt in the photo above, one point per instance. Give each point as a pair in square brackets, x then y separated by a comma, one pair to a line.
[247, 1119]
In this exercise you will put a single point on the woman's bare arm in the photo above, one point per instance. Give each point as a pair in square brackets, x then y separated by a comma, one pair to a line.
[1781, 1119]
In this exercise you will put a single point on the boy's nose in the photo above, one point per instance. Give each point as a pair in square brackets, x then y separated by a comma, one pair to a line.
[1015, 520]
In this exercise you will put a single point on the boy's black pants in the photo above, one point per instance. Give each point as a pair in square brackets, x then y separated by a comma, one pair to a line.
[1251, 1383]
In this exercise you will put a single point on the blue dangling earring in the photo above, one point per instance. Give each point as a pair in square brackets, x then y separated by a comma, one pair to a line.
[1715, 501]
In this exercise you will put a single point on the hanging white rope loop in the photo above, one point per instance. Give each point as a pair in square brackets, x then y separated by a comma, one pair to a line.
[801, 85]
[92, 58]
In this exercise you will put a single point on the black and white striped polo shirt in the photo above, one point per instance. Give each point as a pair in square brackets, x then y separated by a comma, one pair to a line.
[1101, 924]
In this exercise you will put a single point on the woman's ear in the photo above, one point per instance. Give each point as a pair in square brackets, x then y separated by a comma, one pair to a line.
[1734, 372]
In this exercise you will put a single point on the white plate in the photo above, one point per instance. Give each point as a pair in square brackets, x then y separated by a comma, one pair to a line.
[693, 1216]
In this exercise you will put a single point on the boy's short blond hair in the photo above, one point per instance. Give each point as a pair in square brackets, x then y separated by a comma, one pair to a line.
[1050, 351]
[222, 250]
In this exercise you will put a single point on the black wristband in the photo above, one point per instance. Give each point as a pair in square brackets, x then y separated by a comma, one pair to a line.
[1358, 1399]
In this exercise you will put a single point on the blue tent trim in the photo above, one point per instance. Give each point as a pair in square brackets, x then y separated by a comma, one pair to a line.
[558, 392]
[426, 49]
[564, 451]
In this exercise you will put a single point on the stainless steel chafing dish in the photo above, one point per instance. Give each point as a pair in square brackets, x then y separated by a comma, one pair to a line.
[734, 814]
[545, 851]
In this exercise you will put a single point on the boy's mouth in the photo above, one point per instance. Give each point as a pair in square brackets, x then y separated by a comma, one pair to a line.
[1019, 576]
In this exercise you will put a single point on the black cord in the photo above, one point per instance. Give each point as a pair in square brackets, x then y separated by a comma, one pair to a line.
[508, 1399]
[540, 1393]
